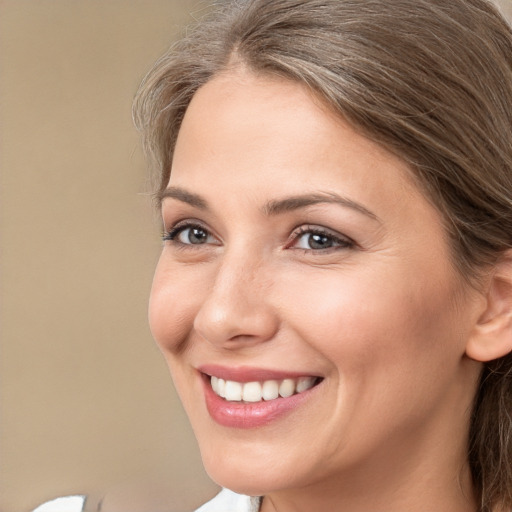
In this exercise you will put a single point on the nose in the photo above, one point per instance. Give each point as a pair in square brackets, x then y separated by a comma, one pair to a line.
[237, 311]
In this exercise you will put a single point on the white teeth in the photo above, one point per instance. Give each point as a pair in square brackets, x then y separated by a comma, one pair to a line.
[251, 392]
[256, 391]
[218, 385]
[214, 382]
[305, 383]
[287, 388]
[233, 391]
[270, 389]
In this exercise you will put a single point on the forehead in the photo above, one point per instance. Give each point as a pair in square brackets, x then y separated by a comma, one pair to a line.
[265, 133]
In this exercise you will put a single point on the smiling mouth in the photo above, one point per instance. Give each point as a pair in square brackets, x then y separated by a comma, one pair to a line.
[258, 391]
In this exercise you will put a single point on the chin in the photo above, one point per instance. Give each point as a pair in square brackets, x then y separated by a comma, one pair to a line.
[245, 483]
[246, 475]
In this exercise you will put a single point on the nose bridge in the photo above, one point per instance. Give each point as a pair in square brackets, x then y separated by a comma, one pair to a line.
[239, 268]
[237, 307]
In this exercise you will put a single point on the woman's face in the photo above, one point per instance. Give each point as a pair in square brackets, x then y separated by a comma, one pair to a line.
[298, 251]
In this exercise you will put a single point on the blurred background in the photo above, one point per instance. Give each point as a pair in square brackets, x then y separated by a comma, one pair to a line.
[87, 405]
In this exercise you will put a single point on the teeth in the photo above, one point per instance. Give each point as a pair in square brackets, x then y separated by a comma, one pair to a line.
[251, 392]
[305, 383]
[270, 389]
[257, 391]
[222, 388]
[233, 391]
[218, 385]
[287, 388]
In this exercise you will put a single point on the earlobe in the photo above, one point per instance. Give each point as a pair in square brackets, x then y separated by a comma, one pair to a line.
[491, 337]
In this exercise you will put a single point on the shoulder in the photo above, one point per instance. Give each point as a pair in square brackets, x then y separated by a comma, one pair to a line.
[229, 501]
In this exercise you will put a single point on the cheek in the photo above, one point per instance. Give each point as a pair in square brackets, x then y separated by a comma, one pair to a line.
[393, 350]
[366, 322]
[172, 306]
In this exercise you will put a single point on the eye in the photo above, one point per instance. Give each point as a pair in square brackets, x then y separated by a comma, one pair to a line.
[318, 239]
[190, 234]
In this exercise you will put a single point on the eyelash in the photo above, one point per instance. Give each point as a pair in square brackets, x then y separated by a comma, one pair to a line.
[172, 234]
[340, 242]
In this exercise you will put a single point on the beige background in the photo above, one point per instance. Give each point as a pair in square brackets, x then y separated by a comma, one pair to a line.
[86, 403]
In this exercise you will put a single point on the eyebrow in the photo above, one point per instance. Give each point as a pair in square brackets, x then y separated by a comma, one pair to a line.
[288, 204]
[184, 196]
[275, 206]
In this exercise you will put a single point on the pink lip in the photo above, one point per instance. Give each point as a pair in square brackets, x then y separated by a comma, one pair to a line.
[244, 415]
[249, 374]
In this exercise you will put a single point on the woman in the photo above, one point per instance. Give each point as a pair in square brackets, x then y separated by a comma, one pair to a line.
[334, 294]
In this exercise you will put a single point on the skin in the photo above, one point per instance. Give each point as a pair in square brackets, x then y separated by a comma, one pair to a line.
[382, 315]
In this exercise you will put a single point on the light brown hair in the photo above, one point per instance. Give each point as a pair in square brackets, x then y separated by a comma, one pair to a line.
[431, 81]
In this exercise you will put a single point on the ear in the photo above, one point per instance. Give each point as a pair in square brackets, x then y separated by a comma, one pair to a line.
[491, 337]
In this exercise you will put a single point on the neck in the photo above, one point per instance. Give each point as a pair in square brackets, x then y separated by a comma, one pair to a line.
[400, 480]
[401, 497]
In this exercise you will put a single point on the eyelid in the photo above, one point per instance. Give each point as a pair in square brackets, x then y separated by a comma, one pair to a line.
[184, 222]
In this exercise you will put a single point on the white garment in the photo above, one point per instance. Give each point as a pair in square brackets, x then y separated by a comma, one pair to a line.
[64, 504]
[225, 501]
[229, 501]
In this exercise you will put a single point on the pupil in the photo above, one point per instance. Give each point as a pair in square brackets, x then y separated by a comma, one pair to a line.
[197, 236]
[319, 241]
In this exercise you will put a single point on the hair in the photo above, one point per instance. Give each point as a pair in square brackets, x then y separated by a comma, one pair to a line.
[430, 81]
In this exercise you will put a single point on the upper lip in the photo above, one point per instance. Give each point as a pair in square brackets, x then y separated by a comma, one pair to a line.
[250, 374]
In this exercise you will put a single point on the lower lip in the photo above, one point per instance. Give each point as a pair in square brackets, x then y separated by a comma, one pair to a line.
[250, 414]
